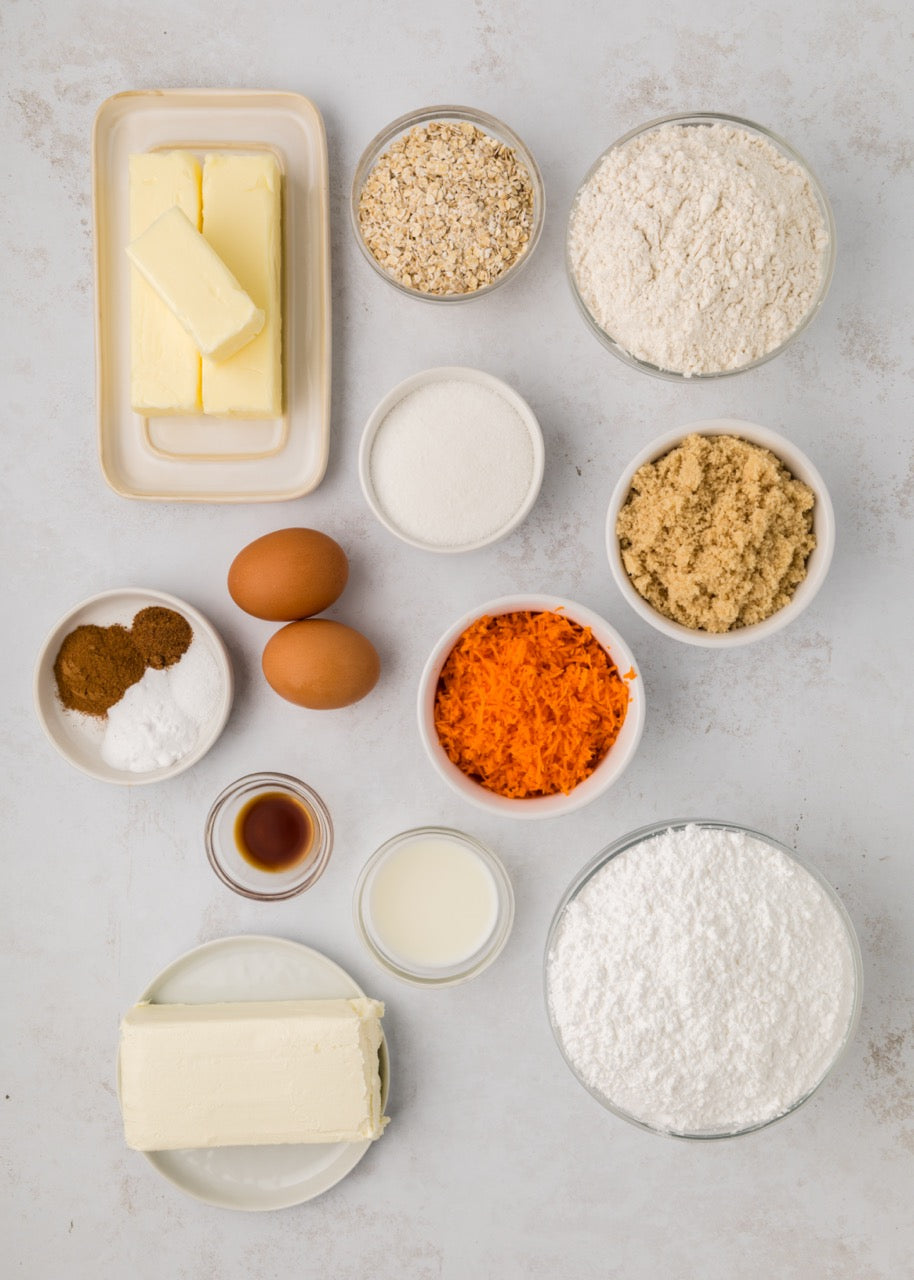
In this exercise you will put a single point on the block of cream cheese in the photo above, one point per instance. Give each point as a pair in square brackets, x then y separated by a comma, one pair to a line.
[222, 1075]
[191, 279]
[164, 362]
[242, 222]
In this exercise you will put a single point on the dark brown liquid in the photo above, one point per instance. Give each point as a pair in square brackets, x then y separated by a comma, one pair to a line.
[274, 832]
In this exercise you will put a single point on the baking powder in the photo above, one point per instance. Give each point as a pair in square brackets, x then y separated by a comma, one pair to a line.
[452, 463]
[698, 248]
[702, 981]
[159, 719]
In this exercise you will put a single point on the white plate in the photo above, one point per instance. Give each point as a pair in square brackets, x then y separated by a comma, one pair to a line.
[77, 737]
[198, 458]
[257, 968]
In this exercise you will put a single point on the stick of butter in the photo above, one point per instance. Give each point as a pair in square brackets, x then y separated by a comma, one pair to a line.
[242, 222]
[194, 282]
[164, 362]
[222, 1075]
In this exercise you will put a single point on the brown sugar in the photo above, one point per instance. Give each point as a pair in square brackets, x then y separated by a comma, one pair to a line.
[716, 534]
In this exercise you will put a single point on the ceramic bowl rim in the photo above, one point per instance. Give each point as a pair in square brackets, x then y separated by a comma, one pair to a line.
[610, 768]
[106, 773]
[452, 373]
[820, 557]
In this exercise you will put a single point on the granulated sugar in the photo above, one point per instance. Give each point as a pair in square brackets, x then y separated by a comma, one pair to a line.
[702, 981]
[698, 248]
[452, 463]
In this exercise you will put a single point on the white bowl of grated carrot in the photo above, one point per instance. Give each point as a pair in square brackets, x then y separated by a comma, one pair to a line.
[531, 706]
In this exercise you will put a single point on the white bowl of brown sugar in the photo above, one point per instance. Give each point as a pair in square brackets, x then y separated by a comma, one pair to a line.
[720, 533]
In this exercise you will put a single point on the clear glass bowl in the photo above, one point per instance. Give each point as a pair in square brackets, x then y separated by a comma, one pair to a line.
[828, 258]
[239, 874]
[630, 841]
[488, 124]
[438, 976]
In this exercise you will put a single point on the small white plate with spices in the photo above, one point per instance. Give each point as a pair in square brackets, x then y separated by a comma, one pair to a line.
[80, 737]
[255, 967]
[451, 460]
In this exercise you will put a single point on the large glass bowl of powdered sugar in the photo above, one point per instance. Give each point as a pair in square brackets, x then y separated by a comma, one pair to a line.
[702, 980]
[699, 246]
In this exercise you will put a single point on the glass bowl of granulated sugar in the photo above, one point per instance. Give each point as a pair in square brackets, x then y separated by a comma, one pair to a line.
[699, 246]
[702, 980]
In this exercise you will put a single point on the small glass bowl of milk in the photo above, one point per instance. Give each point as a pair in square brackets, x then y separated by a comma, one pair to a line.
[434, 906]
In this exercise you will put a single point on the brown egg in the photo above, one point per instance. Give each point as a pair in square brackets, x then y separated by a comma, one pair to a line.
[320, 664]
[288, 574]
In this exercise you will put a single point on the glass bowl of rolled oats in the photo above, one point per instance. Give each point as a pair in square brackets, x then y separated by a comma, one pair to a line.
[447, 203]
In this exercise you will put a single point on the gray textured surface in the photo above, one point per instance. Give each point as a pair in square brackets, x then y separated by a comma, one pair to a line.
[496, 1162]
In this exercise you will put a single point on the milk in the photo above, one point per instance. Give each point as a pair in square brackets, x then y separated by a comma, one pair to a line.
[432, 902]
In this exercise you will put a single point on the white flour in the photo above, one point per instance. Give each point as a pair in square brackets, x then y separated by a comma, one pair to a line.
[701, 981]
[452, 463]
[698, 248]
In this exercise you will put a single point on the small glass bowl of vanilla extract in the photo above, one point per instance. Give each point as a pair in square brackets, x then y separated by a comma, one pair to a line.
[268, 836]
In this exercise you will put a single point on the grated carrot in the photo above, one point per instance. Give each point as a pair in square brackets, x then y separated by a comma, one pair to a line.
[528, 704]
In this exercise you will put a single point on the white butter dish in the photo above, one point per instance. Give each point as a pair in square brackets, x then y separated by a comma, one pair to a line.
[194, 458]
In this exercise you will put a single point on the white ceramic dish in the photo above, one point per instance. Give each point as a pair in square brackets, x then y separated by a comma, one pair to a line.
[451, 373]
[816, 567]
[78, 737]
[606, 773]
[257, 968]
[202, 459]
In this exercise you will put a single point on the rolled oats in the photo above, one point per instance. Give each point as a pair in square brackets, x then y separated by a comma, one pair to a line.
[447, 208]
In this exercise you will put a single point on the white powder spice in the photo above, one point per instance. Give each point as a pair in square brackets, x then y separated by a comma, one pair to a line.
[452, 463]
[702, 981]
[159, 719]
[698, 248]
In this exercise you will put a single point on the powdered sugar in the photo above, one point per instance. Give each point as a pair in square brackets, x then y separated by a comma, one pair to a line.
[698, 248]
[702, 981]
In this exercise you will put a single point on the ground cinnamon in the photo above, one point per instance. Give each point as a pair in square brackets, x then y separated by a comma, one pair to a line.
[95, 667]
[161, 635]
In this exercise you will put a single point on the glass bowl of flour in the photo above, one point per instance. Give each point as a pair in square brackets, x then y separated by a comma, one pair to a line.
[702, 980]
[699, 246]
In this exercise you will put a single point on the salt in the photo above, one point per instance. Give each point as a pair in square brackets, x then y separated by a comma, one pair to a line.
[452, 464]
[160, 718]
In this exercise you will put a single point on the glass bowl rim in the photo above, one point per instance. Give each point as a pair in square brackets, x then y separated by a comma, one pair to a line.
[265, 781]
[828, 257]
[482, 958]
[638, 836]
[427, 115]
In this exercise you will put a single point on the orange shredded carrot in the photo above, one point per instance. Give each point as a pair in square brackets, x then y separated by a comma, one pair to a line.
[528, 704]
